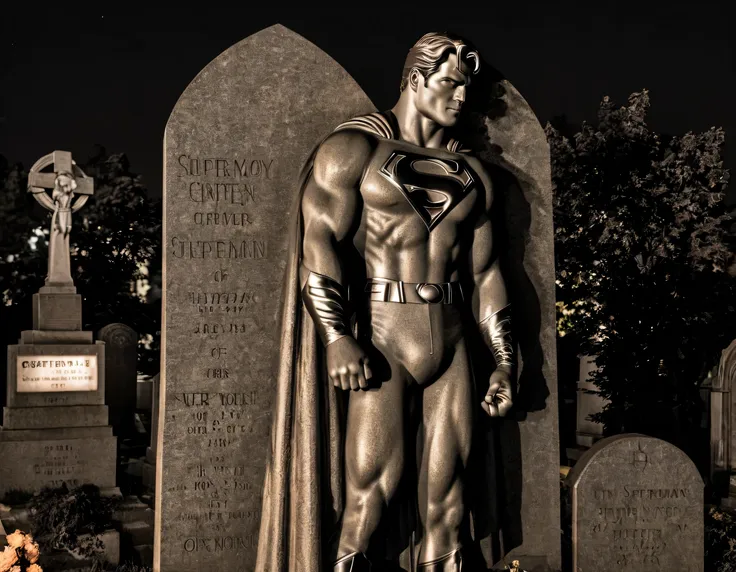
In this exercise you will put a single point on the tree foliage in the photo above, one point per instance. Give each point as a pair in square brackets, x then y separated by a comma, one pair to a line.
[642, 258]
[114, 238]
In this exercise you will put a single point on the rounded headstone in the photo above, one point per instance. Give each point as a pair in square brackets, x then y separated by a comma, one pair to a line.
[121, 375]
[637, 505]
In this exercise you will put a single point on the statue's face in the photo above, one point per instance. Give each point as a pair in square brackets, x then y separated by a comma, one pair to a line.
[442, 99]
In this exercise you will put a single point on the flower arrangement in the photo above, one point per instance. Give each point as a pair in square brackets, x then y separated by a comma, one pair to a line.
[20, 555]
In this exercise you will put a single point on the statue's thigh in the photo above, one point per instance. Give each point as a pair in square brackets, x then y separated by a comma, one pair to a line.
[447, 416]
[374, 444]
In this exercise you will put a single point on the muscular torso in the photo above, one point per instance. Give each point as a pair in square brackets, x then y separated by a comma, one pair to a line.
[419, 208]
[412, 214]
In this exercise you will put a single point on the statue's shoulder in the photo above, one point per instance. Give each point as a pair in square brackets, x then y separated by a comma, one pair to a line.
[353, 141]
[378, 124]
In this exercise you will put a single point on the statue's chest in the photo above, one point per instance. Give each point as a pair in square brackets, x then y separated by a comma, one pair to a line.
[427, 187]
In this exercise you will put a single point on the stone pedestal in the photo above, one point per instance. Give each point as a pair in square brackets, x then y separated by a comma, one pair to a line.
[55, 426]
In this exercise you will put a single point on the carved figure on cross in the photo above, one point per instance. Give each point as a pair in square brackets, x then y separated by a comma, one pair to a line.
[66, 181]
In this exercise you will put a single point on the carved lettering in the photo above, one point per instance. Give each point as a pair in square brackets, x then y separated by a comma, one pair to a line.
[220, 543]
[222, 219]
[656, 493]
[219, 167]
[231, 328]
[219, 249]
[239, 194]
[193, 399]
[224, 298]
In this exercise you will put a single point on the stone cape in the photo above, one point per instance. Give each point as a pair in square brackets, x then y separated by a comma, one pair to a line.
[288, 526]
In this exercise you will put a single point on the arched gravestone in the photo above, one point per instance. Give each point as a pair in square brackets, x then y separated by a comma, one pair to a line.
[234, 147]
[637, 505]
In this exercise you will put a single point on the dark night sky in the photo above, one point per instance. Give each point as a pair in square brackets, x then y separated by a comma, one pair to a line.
[112, 75]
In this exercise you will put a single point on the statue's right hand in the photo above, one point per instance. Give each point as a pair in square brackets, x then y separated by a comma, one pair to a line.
[347, 364]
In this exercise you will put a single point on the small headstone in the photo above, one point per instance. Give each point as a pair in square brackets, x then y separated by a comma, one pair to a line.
[121, 375]
[55, 426]
[144, 395]
[637, 505]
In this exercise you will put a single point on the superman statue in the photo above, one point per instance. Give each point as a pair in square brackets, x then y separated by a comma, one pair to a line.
[393, 267]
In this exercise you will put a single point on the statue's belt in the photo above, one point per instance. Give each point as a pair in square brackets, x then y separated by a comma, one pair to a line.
[385, 290]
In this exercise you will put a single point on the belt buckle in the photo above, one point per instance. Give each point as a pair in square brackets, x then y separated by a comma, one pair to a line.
[430, 293]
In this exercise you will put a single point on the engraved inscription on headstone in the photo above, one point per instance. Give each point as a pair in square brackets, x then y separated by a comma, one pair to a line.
[234, 145]
[637, 506]
[43, 373]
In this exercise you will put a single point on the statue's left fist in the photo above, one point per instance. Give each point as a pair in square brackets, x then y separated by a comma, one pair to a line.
[498, 398]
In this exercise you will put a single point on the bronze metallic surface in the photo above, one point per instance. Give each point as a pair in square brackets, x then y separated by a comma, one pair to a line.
[496, 330]
[396, 209]
[405, 209]
[326, 302]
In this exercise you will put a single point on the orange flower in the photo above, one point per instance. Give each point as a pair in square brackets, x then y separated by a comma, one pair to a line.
[34, 568]
[15, 569]
[7, 558]
[31, 549]
[16, 539]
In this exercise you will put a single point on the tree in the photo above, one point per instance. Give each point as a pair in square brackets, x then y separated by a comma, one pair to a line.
[642, 252]
[114, 239]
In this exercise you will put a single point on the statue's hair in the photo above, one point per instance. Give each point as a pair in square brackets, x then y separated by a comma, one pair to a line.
[430, 52]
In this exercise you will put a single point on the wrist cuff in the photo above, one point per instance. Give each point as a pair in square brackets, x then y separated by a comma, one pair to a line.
[326, 302]
[496, 331]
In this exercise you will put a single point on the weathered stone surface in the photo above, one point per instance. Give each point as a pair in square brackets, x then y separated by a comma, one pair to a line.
[637, 505]
[31, 465]
[94, 432]
[234, 146]
[57, 311]
[55, 337]
[529, 436]
[54, 417]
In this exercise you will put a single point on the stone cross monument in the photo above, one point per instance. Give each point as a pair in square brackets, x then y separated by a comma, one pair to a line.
[55, 426]
[66, 181]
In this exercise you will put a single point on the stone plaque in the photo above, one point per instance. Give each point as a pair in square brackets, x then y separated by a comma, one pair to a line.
[234, 146]
[637, 506]
[51, 374]
[51, 353]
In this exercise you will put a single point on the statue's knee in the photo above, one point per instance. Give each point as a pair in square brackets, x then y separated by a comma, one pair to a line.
[375, 476]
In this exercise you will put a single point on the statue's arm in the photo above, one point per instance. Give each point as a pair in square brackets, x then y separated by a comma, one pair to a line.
[494, 308]
[331, 207]
[331, 201]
